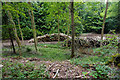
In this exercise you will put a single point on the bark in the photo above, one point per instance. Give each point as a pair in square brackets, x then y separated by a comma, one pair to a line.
[118, 29]
[119, 44]
[72, 24]
[68, 29]
[102, 32]
[15, 32]
[20, 30]
[58, 28]
[33, 26]
[119, 26]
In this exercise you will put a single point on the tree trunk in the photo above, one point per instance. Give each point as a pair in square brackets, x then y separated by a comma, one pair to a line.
[102, 32]
[68, 30]
[72, 24]
[11, 39]
[33, 27]
[15, 32]
[119, 26]
[20, 29]
[119, 44]
[58, 28]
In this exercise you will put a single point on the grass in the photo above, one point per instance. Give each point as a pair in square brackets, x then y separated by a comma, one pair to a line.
[98, 56]
[51, 52]
[89, 60]
[55, 52]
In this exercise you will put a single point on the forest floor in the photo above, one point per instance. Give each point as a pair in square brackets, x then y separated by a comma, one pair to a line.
[62, 69]
[57, 59]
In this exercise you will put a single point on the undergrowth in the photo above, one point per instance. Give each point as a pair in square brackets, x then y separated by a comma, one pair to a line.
[23, 70]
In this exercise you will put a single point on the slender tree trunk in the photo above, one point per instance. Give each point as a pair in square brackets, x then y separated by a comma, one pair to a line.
[11, 39]
[72, 24]
[15, 32]
[58, 28]
[20, 29]
[33, 27]
[119, 26]
[102, 32]
[68, 29]
[119, 44]
[118, 29]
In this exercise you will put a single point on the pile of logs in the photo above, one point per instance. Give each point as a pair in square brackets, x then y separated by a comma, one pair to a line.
[86, 42]
[50, 37]
[82, 41]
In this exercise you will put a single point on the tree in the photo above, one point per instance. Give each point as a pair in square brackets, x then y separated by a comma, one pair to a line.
[58, 25]
[68, 29]
[112, 20]
[119, 44]
[10, 29]
[20, 29]
[102, 32]
[119, 26]
[33, 26]
[14, 28]
[72, 25]
[18, 7]
[118, 16]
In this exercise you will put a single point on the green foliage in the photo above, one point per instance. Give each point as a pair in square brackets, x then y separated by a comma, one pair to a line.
[85, 61]
[96, 67]
[110, 48]
[100, 71]
[88, 17]
[5, 31]
[23, 70]
[112, 21]
[27, 33]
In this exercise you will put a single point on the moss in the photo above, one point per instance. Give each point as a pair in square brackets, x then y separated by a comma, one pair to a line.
[115, 59]
[118, 65]
[116, 55]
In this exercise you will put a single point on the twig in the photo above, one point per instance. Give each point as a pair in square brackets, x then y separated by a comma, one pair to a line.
[49, 67]
[56, 73]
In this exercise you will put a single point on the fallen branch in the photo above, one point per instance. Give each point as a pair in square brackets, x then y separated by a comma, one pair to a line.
[56, 74]
[49, 67]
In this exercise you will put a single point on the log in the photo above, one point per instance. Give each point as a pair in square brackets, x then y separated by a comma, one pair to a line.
[51, 37]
